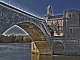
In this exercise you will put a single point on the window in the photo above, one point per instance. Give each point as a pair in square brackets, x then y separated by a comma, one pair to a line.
[70, 15]
[71, 31]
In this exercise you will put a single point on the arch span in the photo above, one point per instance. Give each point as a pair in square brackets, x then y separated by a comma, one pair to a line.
[37, 27]
[33, 31]
[37, 36]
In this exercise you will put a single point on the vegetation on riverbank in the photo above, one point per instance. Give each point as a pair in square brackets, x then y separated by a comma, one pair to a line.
[15, 39]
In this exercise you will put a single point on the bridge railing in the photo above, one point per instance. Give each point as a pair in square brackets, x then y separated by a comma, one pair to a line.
[20, 7]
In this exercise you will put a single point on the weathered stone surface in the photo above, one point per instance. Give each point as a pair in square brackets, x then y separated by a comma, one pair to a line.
[35, 27]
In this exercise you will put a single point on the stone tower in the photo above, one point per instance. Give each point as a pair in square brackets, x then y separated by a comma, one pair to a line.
[49, 12]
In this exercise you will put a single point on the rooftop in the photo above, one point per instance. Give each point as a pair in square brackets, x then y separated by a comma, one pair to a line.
[56, 16]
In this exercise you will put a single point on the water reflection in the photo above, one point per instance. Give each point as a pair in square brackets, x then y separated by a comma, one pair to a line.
[62, 57]
[41, 57]
[54, 57]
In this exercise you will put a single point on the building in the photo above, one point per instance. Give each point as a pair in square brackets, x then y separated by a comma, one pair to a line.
[64, 28]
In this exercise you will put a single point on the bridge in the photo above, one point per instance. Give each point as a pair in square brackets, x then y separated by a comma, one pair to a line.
[34, 25]
[52, 35]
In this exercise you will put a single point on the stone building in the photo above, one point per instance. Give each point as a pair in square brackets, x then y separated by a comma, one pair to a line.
[64, 28]
[55, 23]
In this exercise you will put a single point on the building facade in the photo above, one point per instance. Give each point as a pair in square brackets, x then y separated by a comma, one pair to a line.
[65, 29]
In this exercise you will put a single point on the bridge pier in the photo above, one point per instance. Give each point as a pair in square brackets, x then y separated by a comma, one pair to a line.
[34, 49]
[40, 47]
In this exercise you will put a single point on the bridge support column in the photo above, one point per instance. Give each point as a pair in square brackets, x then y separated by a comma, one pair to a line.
[34, 49]
[40, 47]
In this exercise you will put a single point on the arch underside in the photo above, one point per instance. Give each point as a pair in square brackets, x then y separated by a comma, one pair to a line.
[37, 36]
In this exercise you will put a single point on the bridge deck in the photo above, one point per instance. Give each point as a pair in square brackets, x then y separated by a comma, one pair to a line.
[20, 10]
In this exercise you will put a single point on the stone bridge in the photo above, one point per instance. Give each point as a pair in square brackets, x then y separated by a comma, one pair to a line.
[57, 34]
[35, 26]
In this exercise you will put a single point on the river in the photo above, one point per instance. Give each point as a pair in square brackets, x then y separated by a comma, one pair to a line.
[22, 51]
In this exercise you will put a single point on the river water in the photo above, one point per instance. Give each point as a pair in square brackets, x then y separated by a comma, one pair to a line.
[22, 51]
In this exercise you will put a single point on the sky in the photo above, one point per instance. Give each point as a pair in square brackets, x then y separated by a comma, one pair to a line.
[16, 30]
[40, 6]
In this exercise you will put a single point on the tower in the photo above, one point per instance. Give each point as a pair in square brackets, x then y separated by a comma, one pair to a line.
[49, 10]
[49, 13]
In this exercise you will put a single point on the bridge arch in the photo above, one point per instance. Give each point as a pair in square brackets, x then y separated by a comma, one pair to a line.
[37, 36]
[36, 27]
[33, 30]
